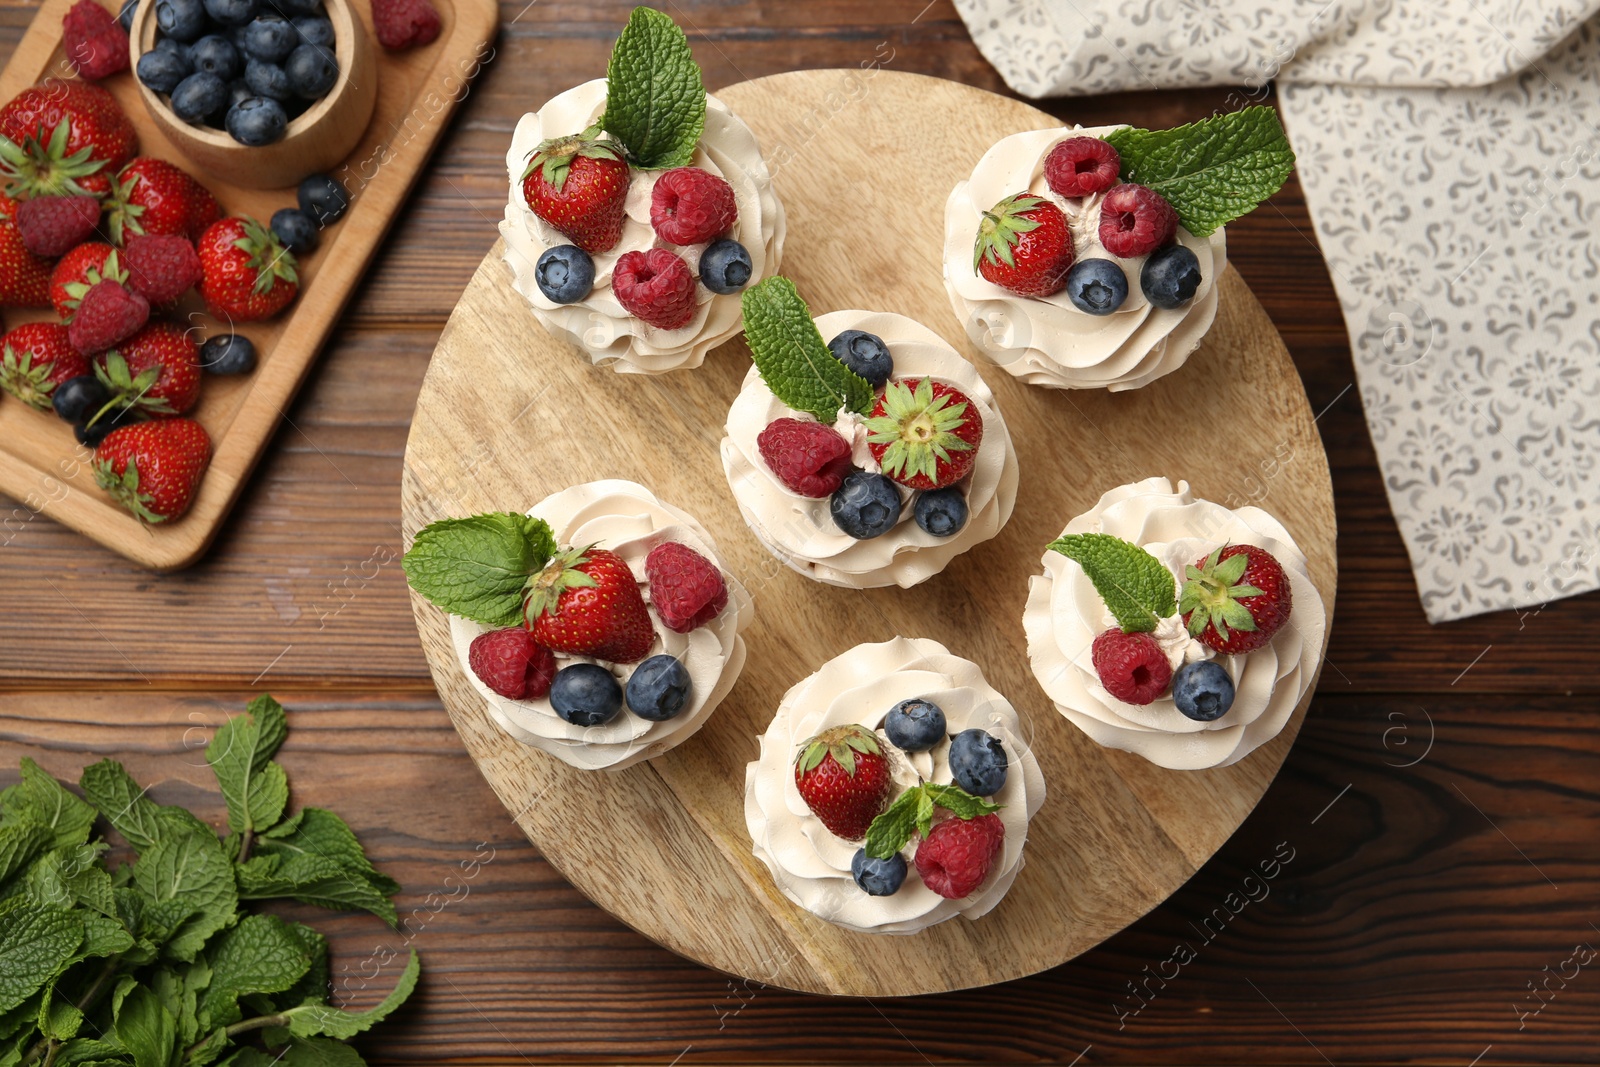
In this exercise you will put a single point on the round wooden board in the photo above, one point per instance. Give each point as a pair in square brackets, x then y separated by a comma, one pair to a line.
[507, 415]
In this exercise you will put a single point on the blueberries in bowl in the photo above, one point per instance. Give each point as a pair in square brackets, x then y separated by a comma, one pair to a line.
[199, 97]
[268, 80]
[181, 20]
[314, 29]
[257, 121]
[163, 68]
[231, 12]
[270, 38]
[214, 54]
[312, 71]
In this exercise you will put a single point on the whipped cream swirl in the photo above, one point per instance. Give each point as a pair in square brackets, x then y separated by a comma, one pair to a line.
[627, 519]
[809, 864]
[598, 324]
[1050, 341]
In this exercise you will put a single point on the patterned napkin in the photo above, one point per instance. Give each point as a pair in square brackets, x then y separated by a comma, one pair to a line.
[1450, 156]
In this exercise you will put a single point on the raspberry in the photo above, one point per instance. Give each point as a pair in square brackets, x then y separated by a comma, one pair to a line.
[807, 457]
[686, 588]
[108, 313]
[1132, 667]
[161, 268]
[956, 856]
[512, 664]
[1080, 166]
[1135, 220]
[404, 23]
[94, 40]
[689, 206]
[52, 226]
[656, 286]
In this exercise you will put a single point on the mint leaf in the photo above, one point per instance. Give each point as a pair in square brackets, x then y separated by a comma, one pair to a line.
[313, 879]
[320, 832]
[262, 954]
[793, 358]
[312, 988]
[320, 1052]
[146, 1029]
[912, 812]
[959, 802]
[240, 755]
[1211, 171]
[46, 801]
[188, 875]
[655, 100]
[1137, 587]
[135, 816]
[313, 1020]
[477, 567]
[21, 842]
[39, 940]
[59, 1019]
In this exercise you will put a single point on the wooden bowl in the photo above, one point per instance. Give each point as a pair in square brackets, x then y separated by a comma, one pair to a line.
[315, 142]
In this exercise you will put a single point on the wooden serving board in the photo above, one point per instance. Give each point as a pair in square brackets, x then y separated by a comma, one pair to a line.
[44, 468]
[508, 415]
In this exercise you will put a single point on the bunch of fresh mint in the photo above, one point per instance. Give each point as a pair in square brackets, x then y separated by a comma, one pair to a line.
[155, 963]
[655, 98]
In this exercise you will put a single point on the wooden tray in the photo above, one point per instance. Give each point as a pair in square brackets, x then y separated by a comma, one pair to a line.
[508, 415]
[40, 463]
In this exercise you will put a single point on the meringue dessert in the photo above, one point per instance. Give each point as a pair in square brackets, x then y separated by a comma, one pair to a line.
[604, 653]
[1174, 627]
[851, 754]
[1070, 278]
[889, 457]
[629, 248]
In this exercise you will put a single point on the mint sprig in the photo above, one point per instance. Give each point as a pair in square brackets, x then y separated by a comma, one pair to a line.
[655, 98]
[478, 567]
[793, 358]
[912, 813]
[1211, 171]
[1137, 588]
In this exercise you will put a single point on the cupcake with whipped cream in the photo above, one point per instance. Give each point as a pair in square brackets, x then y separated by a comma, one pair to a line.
[893, 790]
[862, 449]
[1175, 627]
[601, 627]
[1089, 257]
[638, 210]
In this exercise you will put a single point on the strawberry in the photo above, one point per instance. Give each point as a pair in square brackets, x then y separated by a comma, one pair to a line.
[512, 664]
[579, 185]
[57, 132]
[78, 271]
[153, 468]
[156, 370]
[843, 776]
[924, 434]
[152, 196]
[247, 274]
[161, 267]
[95, 42]
[686, 588]
[956, 856]
[34, 359]
[1235, 599]
[24, 277]
[1024, 245]
[108, 313]
[52, 226]
[586, 602]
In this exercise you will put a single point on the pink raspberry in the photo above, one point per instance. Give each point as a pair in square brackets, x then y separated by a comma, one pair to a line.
[512, 664]
[161, 267]
[1132, 667]
[656, 286]
[689, 206]
[686, 588]
[1135, 220]
[808, 457]
[1080, 166]
[95, 42]
[956, 856]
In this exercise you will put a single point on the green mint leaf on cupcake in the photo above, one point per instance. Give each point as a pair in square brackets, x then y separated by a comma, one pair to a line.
[793, 358]
[1211, 171]
[1137, 588]
[655, 100]
[912, 813]
[478, 567]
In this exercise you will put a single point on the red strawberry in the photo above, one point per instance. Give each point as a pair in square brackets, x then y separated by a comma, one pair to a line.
[1080, 166]
[161, 267]
[108, 313]
[78, 271]
[689, 206]
[656, 286]
[95, 42]
[156, 370]
[1135, 220]
[405, 23]
[248, 274]
[152, 196]
[54, 133]
[24, 277]
[956, 856]
[579, 185]
[686, 588]
[1132, 667]
[924, 434]
[1024, 245]
[34, 359]
[52, 226]
[512, 664]
[153, 468]
[1236, 598]
[587, 602]
[807, 457]
[843, 776]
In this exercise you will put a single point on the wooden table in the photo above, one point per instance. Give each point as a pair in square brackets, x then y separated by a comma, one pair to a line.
[1440, 806]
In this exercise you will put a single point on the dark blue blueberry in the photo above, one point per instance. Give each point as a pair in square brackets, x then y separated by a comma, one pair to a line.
[314, 29]
[214, 54]
[295, 229]
[941, 512]
[228, 353]
[162, 69]
[231, 12]
[312, 71]
[291, 8]
[864, 353]
[565, 274]
[257, 121]
[269, 38]
[199, 96]
[915, 725]
[1097, 286]
[585, 695]
[865, 505]
[239, 91]
[659, 688]
[1170, 276]
[268, 80]
[1202, 690]
[77, 399]
[324, 198]
[111, 420]
[181, 20]
[978, 762]
[725, 266]
[878, 878]
[125, 16]
[173, 45]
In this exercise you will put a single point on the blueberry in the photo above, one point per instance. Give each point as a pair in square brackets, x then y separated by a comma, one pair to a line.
[181, 20]
[866, 354]
[941, 512]
[77, 399]
[268, 80]
[163, 69]
[1097, 286]
[111, 420]
[324, 198]
[173, 45]
[231, 12]
[1202, 690]
[228, 353]
[214, 54]
[1170, 276]
[659, 688]
[239, 91]
[314, 29]
[125, 16]
[865, 505]
[878, 878]
[291, 8]
[565, 274]
[257, 121]
[269, 38]
[915, 725]
[725, 266]
[978, 762]
[312, 71]
[295, 229]
[585, 695]
[199, 96]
